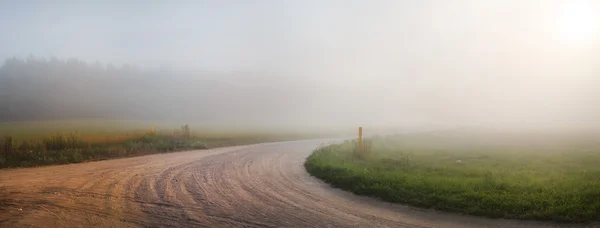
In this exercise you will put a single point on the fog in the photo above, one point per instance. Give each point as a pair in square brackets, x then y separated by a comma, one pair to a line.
[499, 64]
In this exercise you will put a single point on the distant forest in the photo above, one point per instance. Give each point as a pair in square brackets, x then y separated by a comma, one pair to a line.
[42, 89]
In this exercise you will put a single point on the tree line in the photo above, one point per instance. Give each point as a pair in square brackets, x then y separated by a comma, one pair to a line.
[37, 89]
[41, 89]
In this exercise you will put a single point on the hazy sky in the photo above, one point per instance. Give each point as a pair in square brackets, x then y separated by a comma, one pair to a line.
[458, 61]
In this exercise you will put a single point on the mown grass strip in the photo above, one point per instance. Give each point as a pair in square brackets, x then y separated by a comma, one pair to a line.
[539, 180]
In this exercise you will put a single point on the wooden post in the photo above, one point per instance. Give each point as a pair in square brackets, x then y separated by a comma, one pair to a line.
[360, 140]
[152, 129]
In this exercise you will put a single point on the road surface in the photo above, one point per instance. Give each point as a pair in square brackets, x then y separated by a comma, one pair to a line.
[263, 185]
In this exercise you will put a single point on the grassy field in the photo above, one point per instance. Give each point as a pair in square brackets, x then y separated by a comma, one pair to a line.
[59, 149]
[26, 144]
[543, 177]
[89, 130]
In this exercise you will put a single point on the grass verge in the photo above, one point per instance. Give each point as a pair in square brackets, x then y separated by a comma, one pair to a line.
[61, 149]
[554, 179]
[65, 149]
[38, 143]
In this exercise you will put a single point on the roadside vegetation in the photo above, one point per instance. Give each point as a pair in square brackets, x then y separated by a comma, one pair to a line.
[548, 177]
[63, 149]
[34, 145]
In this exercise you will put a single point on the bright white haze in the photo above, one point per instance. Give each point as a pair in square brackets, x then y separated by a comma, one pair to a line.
[511, 63]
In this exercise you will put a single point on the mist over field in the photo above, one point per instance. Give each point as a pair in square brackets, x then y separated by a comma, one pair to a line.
[300, 113]
[467, 63]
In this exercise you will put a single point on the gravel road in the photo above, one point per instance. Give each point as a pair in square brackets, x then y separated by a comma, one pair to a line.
[262, 185]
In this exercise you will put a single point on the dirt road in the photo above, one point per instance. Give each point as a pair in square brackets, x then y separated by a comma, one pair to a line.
[262, 185]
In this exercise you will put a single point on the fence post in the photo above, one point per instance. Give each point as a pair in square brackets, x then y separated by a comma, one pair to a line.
[360, 140]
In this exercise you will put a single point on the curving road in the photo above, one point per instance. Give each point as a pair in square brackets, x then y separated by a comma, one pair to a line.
[262, 185]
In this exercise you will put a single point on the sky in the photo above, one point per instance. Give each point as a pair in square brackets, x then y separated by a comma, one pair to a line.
[446, 61]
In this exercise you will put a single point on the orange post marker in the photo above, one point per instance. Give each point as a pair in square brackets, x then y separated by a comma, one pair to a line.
[360, 140]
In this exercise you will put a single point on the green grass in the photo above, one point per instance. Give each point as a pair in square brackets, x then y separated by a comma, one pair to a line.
[521, 177]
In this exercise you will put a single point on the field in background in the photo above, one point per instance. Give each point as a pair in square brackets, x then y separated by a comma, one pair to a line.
[35, 143]
[100, 131]
[543, 177]
[88, 130]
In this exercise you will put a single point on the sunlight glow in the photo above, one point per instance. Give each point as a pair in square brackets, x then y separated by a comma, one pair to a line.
[577, 22]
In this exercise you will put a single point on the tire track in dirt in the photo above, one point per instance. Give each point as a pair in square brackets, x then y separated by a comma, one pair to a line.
[263, 185]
